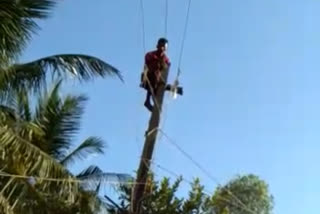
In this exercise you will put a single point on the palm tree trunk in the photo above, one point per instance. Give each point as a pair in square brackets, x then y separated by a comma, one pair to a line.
[149, 144]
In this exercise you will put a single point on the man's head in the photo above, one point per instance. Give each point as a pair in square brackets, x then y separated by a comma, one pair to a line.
[162, 44]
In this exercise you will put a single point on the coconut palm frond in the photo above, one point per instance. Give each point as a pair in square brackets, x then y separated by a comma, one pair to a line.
[5, 206]
[34, 75]
[22, 105]
[92, 145]
[93, 176]
[25, 152]
[18, 24]
[60, 120]
[7, 115]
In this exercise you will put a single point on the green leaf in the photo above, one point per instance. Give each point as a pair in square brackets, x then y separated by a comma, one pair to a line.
[243, 195]
[60, 120]
[24, 151]
[5, 206]
[93, 176]
[92, 145]
[18, 23]
[34, 75]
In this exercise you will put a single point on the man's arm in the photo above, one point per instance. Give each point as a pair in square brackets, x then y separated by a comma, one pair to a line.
[167, 61]
[147, 59]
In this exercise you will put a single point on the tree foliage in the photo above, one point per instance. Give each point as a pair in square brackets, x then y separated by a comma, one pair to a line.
[161, 197]
[37, 141]
[243, 195]
[18, 24]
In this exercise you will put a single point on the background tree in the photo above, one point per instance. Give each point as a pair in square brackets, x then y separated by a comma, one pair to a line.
[243, 195]
[32, 143]
[160, 197]
[42, 138]
[18, 24]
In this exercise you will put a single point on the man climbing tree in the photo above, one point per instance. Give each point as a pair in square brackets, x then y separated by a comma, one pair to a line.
[155, 62]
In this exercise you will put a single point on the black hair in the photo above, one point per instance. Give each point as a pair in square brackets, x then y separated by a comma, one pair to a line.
[162, 41]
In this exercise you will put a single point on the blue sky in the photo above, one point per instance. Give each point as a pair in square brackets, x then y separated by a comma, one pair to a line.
[250, 70]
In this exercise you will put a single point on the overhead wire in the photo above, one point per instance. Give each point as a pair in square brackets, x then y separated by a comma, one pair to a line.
[143, 27]
[170, 140]
[166, 18]
[188, 156]
[71, 180]
[184, 38]
[74, 180]
[156, 164]
[206, 192]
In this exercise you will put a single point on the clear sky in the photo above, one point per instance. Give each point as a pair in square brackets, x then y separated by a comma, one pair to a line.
[251, 75]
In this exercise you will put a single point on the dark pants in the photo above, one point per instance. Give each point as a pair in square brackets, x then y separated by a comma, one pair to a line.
[151, 86]
[151, 83]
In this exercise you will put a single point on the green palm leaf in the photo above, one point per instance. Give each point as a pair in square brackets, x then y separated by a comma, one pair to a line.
[24, 151]
[22, 105]
[5, 206]
[60, 120]
[92, 145]
[34, 75]
[93, 177]
[7, 115]
[23, 158]
[34, 142]
[18, 23]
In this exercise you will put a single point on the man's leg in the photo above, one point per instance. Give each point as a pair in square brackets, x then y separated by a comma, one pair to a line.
[147, 103]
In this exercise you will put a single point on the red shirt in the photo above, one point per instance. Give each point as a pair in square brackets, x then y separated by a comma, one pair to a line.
[154, 61]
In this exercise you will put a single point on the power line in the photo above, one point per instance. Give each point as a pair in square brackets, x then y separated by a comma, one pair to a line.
[143, 26]
[184, 37]
[177, 176]
[188, 156]
[203, 169]
[166, 18]
[70, 180]
[206, 192]
[73, 180]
